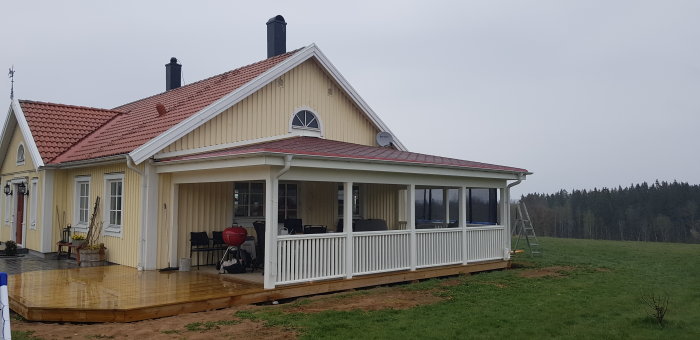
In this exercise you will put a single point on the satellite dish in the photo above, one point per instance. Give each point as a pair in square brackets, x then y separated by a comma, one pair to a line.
[384, 138]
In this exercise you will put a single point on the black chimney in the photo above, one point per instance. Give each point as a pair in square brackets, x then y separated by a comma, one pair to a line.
[276, 36]
[173, 74]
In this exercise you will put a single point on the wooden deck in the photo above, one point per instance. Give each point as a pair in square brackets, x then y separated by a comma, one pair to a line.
[124, 294]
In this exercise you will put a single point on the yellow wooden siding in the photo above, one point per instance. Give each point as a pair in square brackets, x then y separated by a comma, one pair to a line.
[9, 170]
[318, 203]
[164, 224]
[202, 207]
[381, 201]
[268, 111]
[9, 165]
[124, 249]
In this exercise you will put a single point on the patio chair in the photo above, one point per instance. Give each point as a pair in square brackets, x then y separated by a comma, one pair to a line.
[260, 242]
[217, 243]
[293, 225]
[199, 243]
[315, 229]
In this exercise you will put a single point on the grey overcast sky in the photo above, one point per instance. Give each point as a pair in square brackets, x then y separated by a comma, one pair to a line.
[582, 93]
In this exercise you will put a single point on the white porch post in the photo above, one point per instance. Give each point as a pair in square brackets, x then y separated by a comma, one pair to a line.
[446, 203]
[271, 193]
[174, 229]
[462, 223]
[413, 246]
[347, 227]
[505, 220]
[150, 254]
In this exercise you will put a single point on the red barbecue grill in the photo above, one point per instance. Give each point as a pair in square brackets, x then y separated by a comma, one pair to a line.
[233, 237]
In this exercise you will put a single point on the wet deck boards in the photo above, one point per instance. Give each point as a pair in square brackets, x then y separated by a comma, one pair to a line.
[124, 294]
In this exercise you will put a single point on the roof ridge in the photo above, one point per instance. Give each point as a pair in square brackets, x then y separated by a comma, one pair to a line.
[209, 78]
[68, 105]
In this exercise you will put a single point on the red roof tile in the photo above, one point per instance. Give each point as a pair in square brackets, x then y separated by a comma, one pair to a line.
[57, 127]
[312, 146]
[141, 121]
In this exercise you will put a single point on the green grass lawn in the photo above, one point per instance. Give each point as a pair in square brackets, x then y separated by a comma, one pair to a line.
[600, 296]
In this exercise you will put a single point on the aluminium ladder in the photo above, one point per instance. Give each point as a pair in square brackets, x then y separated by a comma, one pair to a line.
[524, 228]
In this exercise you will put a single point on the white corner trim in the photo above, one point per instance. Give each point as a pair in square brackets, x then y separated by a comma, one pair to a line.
[186, 126]
[27, 134]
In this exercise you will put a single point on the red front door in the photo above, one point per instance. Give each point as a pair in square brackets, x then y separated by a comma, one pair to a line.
[20, 218]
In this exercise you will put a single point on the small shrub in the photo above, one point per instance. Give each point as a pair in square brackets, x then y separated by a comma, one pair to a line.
[658, 306]
[10, 248]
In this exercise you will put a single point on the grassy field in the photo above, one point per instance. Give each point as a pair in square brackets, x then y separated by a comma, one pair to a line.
[578, 289]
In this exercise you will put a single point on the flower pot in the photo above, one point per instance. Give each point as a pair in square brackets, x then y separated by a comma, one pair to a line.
[78, 243]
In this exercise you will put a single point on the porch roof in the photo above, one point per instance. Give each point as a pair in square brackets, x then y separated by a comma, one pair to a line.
[314, 147]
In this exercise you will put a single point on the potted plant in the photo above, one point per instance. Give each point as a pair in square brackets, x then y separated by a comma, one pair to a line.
[78, 239]
[10, 248]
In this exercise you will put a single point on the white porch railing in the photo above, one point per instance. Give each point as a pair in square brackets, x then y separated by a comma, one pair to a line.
[380, 251]
[438, 247]
[485, 243]
[303, 258]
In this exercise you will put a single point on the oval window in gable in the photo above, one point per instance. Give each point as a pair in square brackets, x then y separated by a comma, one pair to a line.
[305, 119]
[20, 154]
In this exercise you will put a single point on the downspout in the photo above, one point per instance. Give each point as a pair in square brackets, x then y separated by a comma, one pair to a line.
[510, 231]
[132, 166]
[287, 165]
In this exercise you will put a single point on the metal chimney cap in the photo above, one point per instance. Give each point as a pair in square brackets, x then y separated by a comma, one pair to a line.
[277, 18]
[173, 60]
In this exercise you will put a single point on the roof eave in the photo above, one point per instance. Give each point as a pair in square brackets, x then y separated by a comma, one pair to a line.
[516, 174]
[16, 108]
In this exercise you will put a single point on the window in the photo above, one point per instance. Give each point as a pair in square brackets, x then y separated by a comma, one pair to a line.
[429, 205]
[355, 200]
[305, 119]
[249, 199]
[20, 154]
[82, 204]
[288, 201]
[114, 205]
[482, 206]
[33, 203]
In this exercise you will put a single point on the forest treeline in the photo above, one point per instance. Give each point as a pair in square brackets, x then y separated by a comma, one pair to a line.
[662, 211]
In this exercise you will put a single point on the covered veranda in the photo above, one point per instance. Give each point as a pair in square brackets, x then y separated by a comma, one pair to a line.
[324, 170]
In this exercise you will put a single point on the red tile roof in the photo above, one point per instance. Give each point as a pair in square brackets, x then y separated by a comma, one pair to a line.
[317, 147]
[141, 122]
[57, 127]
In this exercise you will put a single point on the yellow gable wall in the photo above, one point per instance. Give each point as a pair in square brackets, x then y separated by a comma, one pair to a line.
[268, 112]
[10, 170]
[122, 250]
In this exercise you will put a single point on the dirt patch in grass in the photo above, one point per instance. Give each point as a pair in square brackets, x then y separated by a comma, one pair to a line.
[603, 270]
[378, 299]
[218, 324]
[521, 264]
[450, 283]
[547, 271]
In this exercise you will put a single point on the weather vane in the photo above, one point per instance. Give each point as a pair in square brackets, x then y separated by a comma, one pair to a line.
[11, 74]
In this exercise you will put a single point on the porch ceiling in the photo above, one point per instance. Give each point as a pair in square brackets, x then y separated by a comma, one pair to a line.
[325, 149]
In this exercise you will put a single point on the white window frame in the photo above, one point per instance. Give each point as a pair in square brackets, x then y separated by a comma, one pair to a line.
[24, 154]
[115, 230]
[33, 189]
[305, 131]
[77, 224]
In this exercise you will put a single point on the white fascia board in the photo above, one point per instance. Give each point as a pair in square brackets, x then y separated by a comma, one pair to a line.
[337, 163]
[178, 131]
[27, 134]
[5, 136]
[326, 63]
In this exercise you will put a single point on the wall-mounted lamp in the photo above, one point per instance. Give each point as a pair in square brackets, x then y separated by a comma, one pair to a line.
[8, 189]
[22, 189]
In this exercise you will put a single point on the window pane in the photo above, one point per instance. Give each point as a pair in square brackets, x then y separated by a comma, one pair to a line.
[480, 205]
[297, 121]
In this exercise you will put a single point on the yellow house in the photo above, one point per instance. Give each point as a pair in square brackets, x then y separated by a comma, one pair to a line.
[283, 139]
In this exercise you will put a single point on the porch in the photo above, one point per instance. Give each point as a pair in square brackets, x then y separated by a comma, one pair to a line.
[124, 294]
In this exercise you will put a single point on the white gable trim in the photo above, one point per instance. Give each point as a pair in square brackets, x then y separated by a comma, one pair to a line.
[178, 131]
[29, 143]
